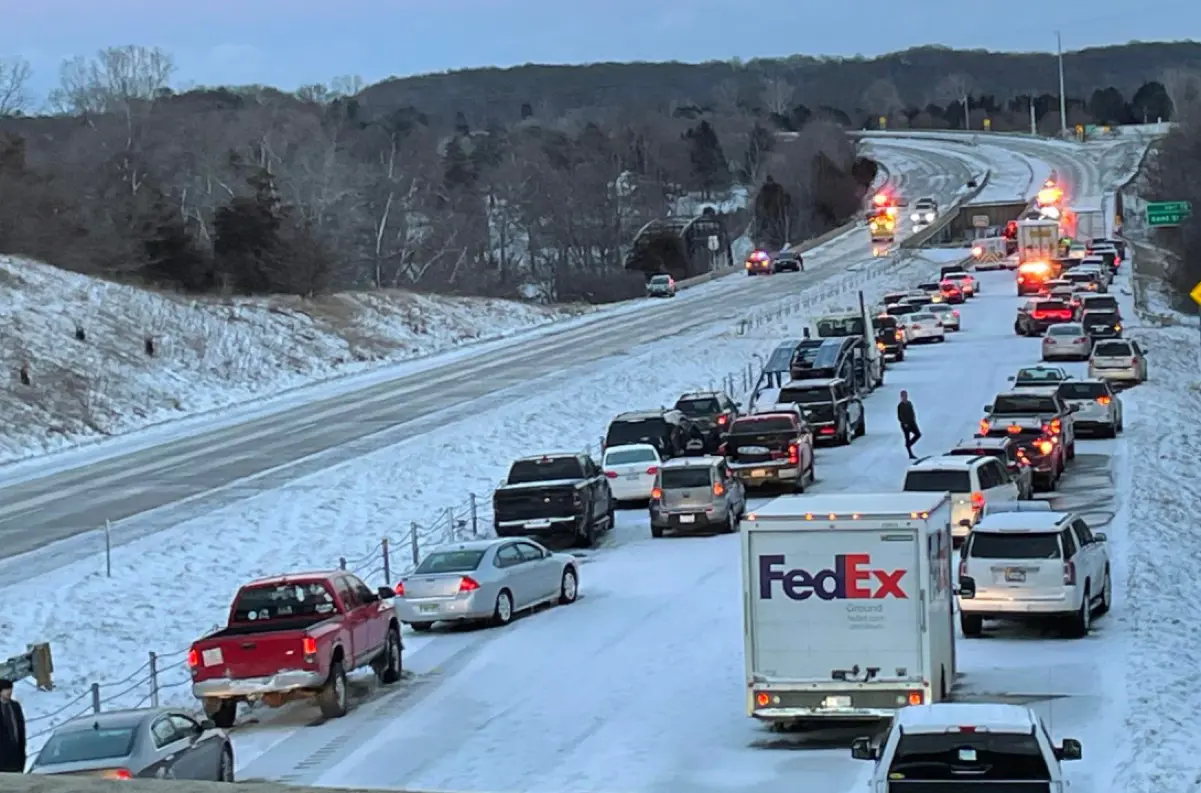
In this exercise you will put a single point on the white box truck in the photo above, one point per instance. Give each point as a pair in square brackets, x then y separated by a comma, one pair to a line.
[1038, 240]
[1090, 224]
[848, 606]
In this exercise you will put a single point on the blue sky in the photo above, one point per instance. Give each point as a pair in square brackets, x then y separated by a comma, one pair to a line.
[302, 41]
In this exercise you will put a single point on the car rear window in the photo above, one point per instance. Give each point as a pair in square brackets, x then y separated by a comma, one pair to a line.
[967, 452]
[1066, 329]
[901, 309]
[684, 478]
[1050, 305]
[1092, 315]
[622, 433]
[1080, 277]
[450, 562]
[1020, 405]
[1024, 545]
[923, 317]
[705, 406]
[969, 757]
[1080, 390]
[1113, 349]
[81, 746]
[840, 326]
[1103, 303]
[283, 601]
[938, 482]
[661, 279]
[756, 424]
[805, 396]
[547, 469]
[621, 456]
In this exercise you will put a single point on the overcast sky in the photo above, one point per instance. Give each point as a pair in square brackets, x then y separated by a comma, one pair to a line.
[293, 42]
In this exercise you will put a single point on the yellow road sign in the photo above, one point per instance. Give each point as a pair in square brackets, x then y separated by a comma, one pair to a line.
[1196, 294]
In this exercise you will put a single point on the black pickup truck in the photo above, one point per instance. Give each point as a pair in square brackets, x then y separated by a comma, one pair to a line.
[554, 497]
[771, 448]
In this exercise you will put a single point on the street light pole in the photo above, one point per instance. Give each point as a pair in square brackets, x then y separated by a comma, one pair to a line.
[1063, 100]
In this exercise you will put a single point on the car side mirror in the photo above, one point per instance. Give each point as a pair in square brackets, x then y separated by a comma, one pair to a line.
[207, 725]
[1070, 750]
[967, 587]
[385, 593]
[988, 408]
[1011, 378]
[862, 749]
[1100, 536]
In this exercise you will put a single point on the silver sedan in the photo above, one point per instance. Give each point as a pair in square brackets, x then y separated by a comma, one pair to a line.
[485, 580]
[1066, 341]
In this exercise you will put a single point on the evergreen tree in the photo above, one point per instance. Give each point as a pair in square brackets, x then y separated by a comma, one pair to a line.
[527, 111]
[1151, 103]
[461, 125]
[458, 169]
[709, 167]
[1108, 106]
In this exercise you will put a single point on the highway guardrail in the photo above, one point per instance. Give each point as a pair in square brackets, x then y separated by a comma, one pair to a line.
[944, 219]
[36, 662]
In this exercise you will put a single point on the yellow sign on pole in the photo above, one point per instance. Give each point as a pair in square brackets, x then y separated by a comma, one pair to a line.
[883, 122]
[1196, 294]
[987, 124]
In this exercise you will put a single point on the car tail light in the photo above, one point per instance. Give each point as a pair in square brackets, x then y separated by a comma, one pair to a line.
[762, 699]
[827, 430]
[1069, 573]
[1134, 361]
[917, 327]
[916, 698]
[955, 311]
[399, 589]
[977, 501]
[1082, 340]
[193, 658]
[308, 645]
[962, 567]
[1103, 400]
[1048, 340]
[1044, 446]
[721, 420]
[718, 488]
[900, 335]
[653, 470]
[1055, 426]
[880, 345]
[723, 449]
[656, 494]
[1014, 429]
[611, 474]
[117, 773]
[468, 584]
[794, 454]
[984, 426]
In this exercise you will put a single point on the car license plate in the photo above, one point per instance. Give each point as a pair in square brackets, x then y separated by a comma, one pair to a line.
[837, 702]
[759, 473]
[754, 450]
[633, 476]
[688, 519]
[428, 608]
[1015, 576]
[537, 524]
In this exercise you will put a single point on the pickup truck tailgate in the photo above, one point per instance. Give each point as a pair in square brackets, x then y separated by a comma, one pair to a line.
[967, 786]
[250, 656]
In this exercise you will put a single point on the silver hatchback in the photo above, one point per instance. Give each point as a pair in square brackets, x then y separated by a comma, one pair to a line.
[695, 494]
[1067, 341]
[1118, 361]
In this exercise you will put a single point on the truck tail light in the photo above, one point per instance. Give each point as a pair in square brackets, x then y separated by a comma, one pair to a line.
[308, 645]
[1044, 446]
[1053, 427]
[399, 589]
[794, 454]
[721, 421]
[984, 426]
[610, 474]
[654, 469]
[977, 501]
[1069, 574]
[880, 346]
[916, 697]
[1103, 400]
[193, 658]
[656, 494]
[468, 584]
[762, 699]
[1134, 361]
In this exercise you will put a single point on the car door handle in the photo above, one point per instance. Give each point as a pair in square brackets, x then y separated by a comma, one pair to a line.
[169, 758]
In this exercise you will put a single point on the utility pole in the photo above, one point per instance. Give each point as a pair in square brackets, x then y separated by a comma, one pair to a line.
[967, 112]
[1033, 116]
[1063, 100]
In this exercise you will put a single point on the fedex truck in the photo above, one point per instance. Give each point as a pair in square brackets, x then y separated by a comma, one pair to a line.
[848, 606]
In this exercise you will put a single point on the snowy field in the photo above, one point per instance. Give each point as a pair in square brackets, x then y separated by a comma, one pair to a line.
[209, 353]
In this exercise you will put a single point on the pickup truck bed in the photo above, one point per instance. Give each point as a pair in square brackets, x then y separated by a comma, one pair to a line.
[968, 786]
[259, 629]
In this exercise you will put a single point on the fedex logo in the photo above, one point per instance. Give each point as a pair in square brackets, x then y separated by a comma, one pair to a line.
[851, 579]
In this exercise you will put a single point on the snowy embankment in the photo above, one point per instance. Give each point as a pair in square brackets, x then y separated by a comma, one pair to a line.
[207, 353]
[346, 509]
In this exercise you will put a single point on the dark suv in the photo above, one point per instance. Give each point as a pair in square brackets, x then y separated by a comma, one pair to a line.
[890, 339]
[711, 413]
[668, 430]
[831, 406]
[1035, 316]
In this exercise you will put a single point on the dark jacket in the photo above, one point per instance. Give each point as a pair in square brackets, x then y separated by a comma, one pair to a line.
[906, 414]
[12, 747]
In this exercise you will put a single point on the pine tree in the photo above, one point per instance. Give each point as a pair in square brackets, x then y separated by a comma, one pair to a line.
[709, 167]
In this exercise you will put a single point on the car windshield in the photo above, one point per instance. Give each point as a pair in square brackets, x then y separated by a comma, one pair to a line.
[285, 600]
[840, 326]
[930, 287]
[938, 482]
[1065, 329]
[684, 478]
[622, 433]
[805, 396]
[957, 276]
[974, 452]
[661, 280]
[969, 757]
[919, 301]
[545, 469]
[1018, 545]
[752, 425]
[699, 407]
[1023, 404]
[1076, 389]
[1079, 276]
[84, 745]
[620, 456]
[450, 562]
[1113, 349]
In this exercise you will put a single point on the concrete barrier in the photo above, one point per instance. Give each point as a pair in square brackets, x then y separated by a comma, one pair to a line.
[19, 783]
[944, 219]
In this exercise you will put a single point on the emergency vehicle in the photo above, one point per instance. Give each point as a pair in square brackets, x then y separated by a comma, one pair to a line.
[882, 218]
[848, 606]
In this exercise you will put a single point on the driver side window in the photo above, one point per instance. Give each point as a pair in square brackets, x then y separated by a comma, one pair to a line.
[184, 726]
[163, 732]
[508, 556]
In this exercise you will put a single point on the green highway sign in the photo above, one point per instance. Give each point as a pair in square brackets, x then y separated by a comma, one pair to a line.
[1168, 213]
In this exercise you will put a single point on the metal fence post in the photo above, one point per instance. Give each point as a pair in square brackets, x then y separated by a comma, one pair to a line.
[475, 517]
[95, 698]
[451, 530]
[153, 679]
[387, 560]
[413, 543]
[341, 562]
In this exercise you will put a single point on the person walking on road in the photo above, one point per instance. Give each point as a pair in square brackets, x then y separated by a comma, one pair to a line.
[907, 416]
[12, 731]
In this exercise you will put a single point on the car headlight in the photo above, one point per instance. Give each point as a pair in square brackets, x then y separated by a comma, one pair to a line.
[929, 217]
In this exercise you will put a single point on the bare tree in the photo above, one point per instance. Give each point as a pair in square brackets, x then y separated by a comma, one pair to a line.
[14, 82]
[777, 95]
[1183, 87]
[956, 87]
[882, 97]
[113, 79]
[726, 95]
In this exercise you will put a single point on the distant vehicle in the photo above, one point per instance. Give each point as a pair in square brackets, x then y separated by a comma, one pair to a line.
[561, 496]
[772, 449]
[669, 431]
[788, 262]
[1100, 324]
[711, 413]
[947, 316]
[1098, 303]
[631, 471]
[1035, 316]
[148, 743]
[1067, 341]
[1008, 452]
[296, 636]
[833, 408]
[975, 485]
[925, 211]
[696, 494]
[661, 286]
[924, 327]
[1118, 361]
[1098, 407]
[951, 292]
[758, 263]
[1032, 274]
[966, 281]
[890, 338]
[485, 581]
[1039, 376]
[1092, 280]
[1041, 423]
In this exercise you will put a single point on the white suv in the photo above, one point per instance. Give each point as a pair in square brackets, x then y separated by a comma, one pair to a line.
[1098, 406]
[975, 483]
[1026, 562]
[950, 745]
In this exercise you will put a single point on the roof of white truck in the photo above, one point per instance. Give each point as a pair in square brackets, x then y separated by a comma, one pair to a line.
[847, 504]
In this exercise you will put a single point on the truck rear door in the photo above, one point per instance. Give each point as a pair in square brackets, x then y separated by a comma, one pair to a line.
[827, 600]
[251, 655]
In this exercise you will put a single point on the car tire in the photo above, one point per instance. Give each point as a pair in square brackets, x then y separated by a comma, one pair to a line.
[569, 586]
[1071, 450]
[972, 625]
[421, 627]
[502, 612]
[861, 426]
[225, 765]
[1078, 624]
[223, 712]
[847, 436]
[1106, 595]
[656, 531]
[334, 697]
[392, 667]
[1018, 329]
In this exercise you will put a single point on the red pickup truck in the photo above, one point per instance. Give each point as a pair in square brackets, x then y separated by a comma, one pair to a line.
[296, 636]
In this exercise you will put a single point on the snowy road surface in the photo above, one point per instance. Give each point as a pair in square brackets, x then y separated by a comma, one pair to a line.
[639, 686]
[195, 474]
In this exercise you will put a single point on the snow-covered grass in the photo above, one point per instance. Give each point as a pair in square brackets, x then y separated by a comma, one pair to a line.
[208, 353]
[170, 588]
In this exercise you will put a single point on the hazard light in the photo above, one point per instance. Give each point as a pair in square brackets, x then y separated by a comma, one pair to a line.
[880, 199]
[977, 251]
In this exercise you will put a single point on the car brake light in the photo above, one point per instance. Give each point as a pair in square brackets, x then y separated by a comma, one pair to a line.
[117, 773]
[654, 469]
[611, 474]
[308, 645]
[1134, 361]
[1044, 446]
[1014, 429]
[977, 501]
[955, 311]
[1055, 427]
[1069, 573]
[656, 494]
[1082, 340]
[900, 335]
[1104, 400]
[794, 454]
[984, 426]
[468, 584]
[917, 327]
[1048, 340]
[193, 658]
[827, 430]
[880, 345]
[965, 729]
[718, 488]
[721, 420]
[399, 589]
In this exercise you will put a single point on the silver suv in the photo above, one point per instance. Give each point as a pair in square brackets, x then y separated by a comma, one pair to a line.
[696, 494]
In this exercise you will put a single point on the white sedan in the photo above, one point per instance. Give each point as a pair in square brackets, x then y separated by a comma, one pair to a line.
[924, 326]
[631, 471]
[948, 316]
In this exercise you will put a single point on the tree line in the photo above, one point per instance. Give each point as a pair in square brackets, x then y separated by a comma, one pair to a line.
[251, 190]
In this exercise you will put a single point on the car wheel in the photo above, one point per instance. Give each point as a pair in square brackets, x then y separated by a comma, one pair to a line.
[569, 587]
[421, 627]
[334, 697]
[861, 427]
[225, 766]
[502, 612]
[656, 531]
[1071, 450]
[1106, 595]
[972, 625]
[1080, 622]
[1018, 329]
[391, 668]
